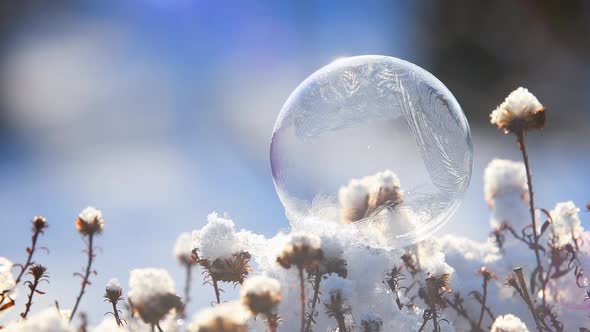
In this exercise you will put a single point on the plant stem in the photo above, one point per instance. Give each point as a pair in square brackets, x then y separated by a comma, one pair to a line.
[526, 297]
[33, 288]
[341, 323]
[116, 314]
[187, 285]
[29, 258]
[525, 157]
[483, 302]
[272, 321]
[302, 298]
[316, 292]
[216, 288]
[86, 274]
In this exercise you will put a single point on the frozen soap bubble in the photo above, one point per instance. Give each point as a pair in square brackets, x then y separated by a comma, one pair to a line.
[375, 142]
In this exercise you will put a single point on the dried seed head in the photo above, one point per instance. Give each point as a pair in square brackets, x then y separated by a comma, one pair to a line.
[233, 269]
[183, 249]
[301, 250]
[486, 273]
[261, 295]
[38, 271]
[113, 291]
[225, 317]
[90, 221]
[436, 287]
[512, 281]
[332, 261]
[151, 294]
[39, 224]
[154, 308]
[520, 111]
[508, 323]
[371, 322]
[362, 197]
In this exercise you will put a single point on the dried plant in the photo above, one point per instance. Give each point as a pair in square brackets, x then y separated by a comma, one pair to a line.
[114, 294]
[89, 224]
[39, 275]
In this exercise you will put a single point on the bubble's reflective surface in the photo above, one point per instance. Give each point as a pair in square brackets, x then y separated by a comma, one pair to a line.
[373, 141]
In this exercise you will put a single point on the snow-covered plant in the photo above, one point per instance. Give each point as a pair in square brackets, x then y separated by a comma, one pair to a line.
[220, 253]
[152, 295]
[327, 274]
[225, 317]
[262, 295]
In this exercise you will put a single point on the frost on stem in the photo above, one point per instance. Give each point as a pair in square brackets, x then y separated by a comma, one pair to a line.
[521, 111]
[221, 254]
[47, 320]
[225, 317]
[508, 323]
[262, 295]
[364, 197]
[152, 295]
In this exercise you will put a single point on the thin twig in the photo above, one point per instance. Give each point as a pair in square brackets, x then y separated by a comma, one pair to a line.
[216, 289]
[483, 301]
[302, 298]
[526, 297]
[30, 251]
[525, 157]
[187, 285]
[86, 274]
[316, 292]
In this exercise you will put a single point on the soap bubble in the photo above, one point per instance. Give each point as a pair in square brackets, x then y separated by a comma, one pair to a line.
[374, 142]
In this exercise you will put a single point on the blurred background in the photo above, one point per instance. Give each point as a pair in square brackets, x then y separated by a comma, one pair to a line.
[158, 112]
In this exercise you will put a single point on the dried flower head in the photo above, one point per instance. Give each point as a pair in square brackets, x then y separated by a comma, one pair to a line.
[261, 295]
[508, 323]
[332, 261]
[90, 221]
[152, 294]
[39, 224]
[520, 111]
[502, 177]
[233, 269]
[113, 291]
[336, 288]
[566, 223]
[436, 287]
[301, 250]
[183, 249]
[371, 322]
[485, 273]
[47, 320]
[38, 271]
[225, 317]
[363, 197]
